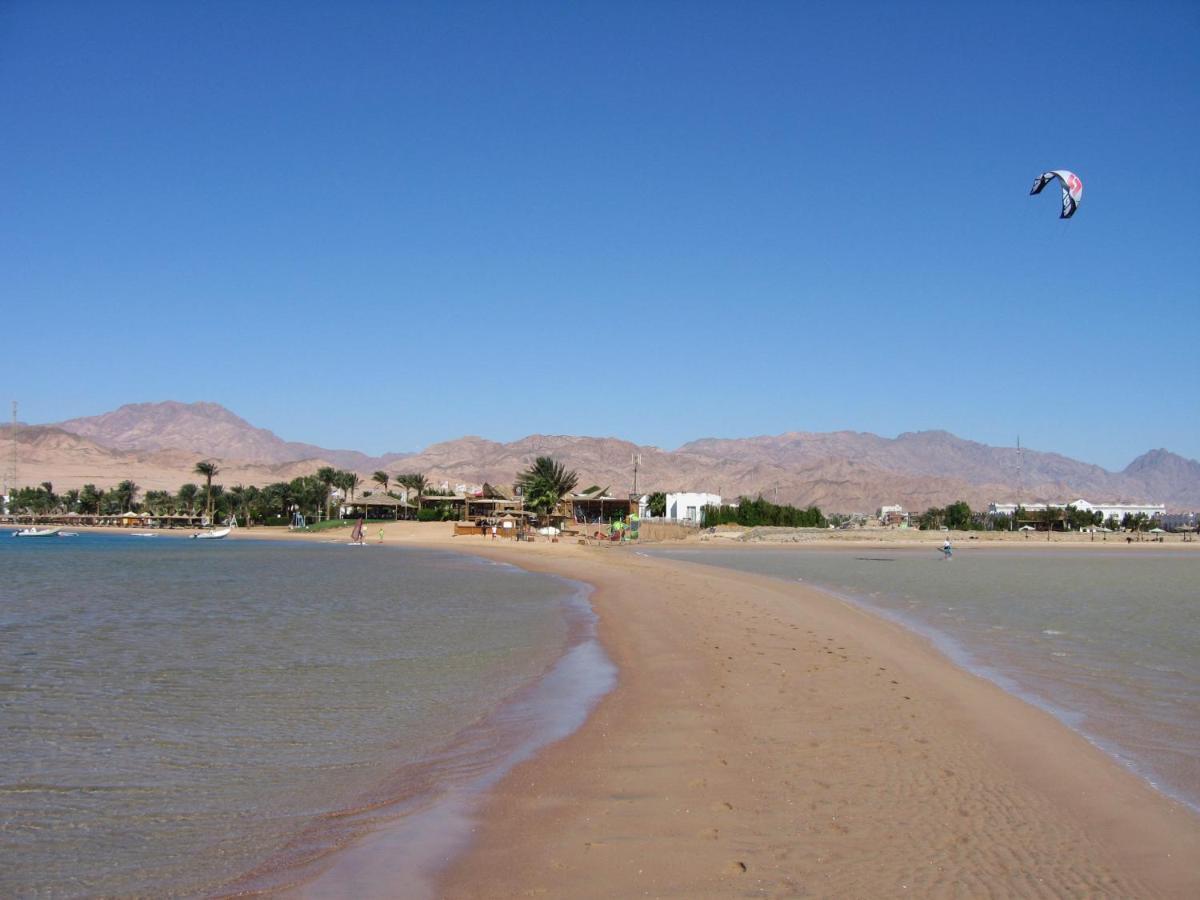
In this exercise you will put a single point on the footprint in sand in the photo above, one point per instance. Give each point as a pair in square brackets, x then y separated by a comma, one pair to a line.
[736, 868]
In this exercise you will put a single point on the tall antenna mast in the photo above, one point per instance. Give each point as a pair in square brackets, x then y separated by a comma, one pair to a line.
[1020, 471]
[637, 458]
[11, 480]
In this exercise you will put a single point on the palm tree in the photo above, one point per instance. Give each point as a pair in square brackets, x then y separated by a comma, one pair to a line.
[186, 498]
[381, 479]
[156, 502]
[239, 501]
[405, 482]
[349, 482]
[414, 482]
[126, 494]
[419, 486]
[208, 469]
[545, 483]
[328, 476]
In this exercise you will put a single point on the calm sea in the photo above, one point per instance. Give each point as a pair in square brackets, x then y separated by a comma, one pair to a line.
[1107, 641]
[190, 717]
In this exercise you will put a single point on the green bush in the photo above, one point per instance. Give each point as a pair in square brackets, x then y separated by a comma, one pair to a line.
[762, 512]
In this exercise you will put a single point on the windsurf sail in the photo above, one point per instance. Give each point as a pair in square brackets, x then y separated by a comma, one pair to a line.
[357, 534]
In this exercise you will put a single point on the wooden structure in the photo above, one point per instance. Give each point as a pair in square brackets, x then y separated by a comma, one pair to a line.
[597, 507]
[377, 506]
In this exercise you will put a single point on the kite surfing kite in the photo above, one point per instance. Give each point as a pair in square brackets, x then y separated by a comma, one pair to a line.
[1072, 189]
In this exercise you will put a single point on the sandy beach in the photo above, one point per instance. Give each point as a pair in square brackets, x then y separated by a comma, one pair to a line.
[767, 739]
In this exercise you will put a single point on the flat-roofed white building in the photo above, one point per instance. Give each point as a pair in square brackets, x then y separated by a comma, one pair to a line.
[684, 506]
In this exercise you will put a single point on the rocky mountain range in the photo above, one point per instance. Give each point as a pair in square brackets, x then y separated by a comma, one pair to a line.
[205, 428]
[157, 444]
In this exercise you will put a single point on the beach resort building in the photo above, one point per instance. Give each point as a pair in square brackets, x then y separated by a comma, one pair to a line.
[893, 516]
[374, 505]
[598, 506]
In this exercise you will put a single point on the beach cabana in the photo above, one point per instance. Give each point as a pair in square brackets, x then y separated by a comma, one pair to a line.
[487, 507]
[377, 506]
[598, 506]
[457, 503]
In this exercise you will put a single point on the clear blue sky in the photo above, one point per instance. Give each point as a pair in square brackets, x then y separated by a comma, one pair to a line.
[381, 225]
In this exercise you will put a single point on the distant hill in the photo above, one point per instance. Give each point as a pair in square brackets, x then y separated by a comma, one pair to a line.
[66, 460]
[157, 444]
[207, 429]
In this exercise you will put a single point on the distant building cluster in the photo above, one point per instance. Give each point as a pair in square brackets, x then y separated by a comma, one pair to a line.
[894, 516]
[1107, 511]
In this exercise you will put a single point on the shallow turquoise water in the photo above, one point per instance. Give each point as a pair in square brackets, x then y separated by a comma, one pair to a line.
[179, 713]
[1108, 641]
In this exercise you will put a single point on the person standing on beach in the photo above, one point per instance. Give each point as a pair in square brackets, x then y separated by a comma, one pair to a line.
[381, 534]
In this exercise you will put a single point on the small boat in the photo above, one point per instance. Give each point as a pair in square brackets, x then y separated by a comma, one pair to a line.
[213, 534]
[143, 534]
[356, 536]
[36, 532]
[68, 534]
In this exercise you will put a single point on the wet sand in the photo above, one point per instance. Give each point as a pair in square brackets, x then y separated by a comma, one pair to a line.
[767, 739]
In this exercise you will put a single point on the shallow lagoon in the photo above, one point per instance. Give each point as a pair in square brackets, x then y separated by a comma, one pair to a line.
[178, 714]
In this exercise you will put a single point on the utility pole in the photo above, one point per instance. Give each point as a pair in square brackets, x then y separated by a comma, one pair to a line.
[1020, 478]
[11, 479]
[637, 458]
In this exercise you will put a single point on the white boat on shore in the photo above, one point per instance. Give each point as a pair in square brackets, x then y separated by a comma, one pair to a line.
[212, 535]
[37, 532]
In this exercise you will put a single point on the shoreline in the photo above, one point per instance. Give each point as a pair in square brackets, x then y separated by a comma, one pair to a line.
[415, 835]
[754, 742]
[968, 655]
[789, 762]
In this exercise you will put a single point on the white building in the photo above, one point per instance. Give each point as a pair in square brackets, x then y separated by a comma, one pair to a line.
[1107, 511]
[682, 507]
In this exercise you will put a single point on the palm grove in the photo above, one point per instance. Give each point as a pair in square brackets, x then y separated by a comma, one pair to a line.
[310, 495]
